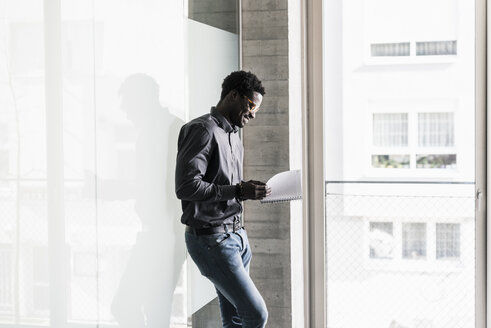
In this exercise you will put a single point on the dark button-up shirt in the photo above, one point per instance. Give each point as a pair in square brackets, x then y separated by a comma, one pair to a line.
[208, 168]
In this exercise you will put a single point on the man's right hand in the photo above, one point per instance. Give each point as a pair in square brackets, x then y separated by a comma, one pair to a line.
[256, 190]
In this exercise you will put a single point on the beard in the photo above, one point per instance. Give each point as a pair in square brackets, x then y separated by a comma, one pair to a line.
[240, 120]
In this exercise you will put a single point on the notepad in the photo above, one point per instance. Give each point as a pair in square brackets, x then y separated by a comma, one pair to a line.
[285, 186]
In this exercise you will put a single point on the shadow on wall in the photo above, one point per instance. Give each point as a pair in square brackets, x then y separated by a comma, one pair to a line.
[145, 292]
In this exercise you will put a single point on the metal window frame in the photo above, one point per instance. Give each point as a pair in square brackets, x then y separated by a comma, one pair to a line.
[481, 162]
[313, 164]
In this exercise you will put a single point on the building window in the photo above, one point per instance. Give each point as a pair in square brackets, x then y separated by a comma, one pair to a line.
[414, 240]
[391, 161]
[384, 239]
[390, 129]
[447, 241]
[390, 49]
[441, 161]
[436, 48]
[423, 48]
[381, 240]
[396, 145]
[436, 129]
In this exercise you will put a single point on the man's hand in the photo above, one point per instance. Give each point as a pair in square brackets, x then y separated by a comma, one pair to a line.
[256, 190]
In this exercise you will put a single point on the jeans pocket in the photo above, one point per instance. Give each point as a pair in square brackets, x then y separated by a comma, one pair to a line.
[216, 240]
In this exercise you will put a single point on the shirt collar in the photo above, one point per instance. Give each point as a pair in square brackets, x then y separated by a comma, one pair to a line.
[222, 121]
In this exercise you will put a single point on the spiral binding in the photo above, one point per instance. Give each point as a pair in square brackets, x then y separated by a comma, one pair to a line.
[281, 200]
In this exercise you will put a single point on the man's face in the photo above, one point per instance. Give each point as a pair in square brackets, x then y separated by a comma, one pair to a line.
[243, 111]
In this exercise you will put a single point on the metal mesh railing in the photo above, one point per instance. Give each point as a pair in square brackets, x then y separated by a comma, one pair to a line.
[400, 259]
[96, 257]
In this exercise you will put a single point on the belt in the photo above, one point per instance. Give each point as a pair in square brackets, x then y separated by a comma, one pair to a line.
[236, 226]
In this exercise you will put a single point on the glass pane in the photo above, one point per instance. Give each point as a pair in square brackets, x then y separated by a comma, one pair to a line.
[123, 98]
[381, 240]
[436, 129]
[413, 240]
[390, 130]
[390, 49]
[435, 48]
[390, 161]
[24, 275]
[399, 163]
[447, 240]
[436, 161]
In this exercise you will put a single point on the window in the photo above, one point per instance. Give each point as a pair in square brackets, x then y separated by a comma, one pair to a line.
[413, 185]
[424, 140]
[390, 129]
[385, 238]
[447, 241]
[390, 49]
[436, 129]
[413, 240]
[390, 161]
[436, 48]
[426, 48]
[441, 161]
[381, 240]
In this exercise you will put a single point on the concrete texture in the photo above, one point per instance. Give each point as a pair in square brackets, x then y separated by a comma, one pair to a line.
[266, 5]
[217, 13]
[266, 143]
[208, 316]
[252, 48]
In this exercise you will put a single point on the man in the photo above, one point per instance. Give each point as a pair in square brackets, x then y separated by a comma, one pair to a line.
[208, 182]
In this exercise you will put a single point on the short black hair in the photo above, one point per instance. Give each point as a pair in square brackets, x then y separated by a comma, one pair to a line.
[244, 82]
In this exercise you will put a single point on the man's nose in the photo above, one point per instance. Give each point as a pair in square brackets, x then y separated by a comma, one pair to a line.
[252, 115]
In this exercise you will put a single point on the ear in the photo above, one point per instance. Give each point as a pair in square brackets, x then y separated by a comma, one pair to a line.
[234, 94]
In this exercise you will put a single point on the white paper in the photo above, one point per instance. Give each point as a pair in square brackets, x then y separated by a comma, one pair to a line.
[284, 186]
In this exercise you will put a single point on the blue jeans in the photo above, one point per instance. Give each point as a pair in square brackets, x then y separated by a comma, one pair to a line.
[224, 259]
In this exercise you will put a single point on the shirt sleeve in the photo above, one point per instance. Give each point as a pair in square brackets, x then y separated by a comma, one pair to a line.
[195, 146]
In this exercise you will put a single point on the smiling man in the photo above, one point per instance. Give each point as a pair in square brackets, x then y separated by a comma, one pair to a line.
[209, 184]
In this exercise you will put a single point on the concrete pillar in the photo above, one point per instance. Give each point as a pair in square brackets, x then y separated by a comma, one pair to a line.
[265, 52]
[266, 152]
[217, 13]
